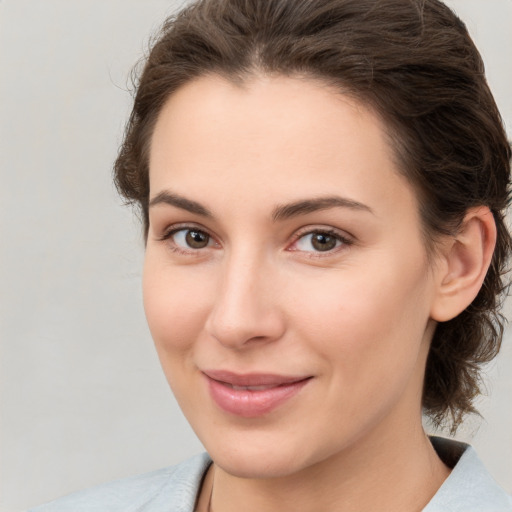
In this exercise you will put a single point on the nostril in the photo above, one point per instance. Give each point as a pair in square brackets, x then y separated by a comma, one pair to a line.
[245, 309]
[244, 328]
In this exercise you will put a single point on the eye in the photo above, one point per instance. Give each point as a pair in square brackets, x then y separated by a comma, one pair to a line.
[319, 241]
[190, 238]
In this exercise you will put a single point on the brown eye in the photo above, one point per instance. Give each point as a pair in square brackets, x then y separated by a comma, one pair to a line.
[190, 238]
[323, 241]
[196, 239]
[319, 241]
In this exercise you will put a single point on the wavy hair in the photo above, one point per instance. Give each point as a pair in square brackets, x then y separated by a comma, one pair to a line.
[414, 63]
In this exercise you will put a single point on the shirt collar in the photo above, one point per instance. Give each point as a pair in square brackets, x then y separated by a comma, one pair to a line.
[469, 487]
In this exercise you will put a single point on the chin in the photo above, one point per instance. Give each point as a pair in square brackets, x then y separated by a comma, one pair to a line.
[260, 460]
[261, 466]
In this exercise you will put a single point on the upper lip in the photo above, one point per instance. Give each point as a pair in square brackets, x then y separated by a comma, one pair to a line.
[252, 379]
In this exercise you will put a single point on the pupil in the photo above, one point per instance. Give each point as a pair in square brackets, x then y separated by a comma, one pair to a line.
[197, 239]
[323, 242]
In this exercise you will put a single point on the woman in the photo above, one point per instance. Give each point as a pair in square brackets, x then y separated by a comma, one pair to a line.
[322, 186]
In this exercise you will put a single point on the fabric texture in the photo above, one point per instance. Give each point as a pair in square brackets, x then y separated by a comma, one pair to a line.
[469, 488]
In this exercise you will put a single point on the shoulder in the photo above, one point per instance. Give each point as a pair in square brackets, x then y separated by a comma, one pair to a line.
[172, 489]
[470, 487]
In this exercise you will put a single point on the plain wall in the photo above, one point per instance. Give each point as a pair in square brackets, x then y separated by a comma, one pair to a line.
[83, 398]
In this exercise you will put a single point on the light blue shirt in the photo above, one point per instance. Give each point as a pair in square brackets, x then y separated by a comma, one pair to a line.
[469, 488]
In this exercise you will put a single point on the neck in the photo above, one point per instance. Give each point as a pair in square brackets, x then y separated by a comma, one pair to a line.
[399, 473]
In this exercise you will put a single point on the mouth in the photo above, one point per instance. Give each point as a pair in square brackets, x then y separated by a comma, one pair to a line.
[252, 395]
[248, 388]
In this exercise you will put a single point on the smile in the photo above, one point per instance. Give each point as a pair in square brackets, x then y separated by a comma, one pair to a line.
[247, 388]
[251, 395]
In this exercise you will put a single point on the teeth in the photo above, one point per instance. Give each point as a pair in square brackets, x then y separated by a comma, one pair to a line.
[249, 388]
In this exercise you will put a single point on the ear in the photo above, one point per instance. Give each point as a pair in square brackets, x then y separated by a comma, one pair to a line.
[463, 263]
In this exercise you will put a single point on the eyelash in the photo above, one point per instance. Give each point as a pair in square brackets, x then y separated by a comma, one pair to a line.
[344, 240]
[169, 233]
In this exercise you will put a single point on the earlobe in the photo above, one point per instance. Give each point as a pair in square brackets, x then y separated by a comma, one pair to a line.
[465, 260]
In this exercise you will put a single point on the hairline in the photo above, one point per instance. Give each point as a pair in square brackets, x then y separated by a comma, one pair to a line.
[390, 130]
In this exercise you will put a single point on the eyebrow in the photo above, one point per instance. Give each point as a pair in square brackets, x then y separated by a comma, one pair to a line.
[280, 212]
[306, 206]
[171, 199]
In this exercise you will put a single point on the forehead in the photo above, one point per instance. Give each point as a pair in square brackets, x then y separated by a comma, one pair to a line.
[296, 135]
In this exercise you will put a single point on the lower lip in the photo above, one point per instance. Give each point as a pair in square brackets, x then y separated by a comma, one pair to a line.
[251, 404]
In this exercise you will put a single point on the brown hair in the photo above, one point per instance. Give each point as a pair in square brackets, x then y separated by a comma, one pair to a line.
[414, 63]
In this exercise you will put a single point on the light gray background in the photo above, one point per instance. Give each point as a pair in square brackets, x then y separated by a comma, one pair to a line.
[83, 397]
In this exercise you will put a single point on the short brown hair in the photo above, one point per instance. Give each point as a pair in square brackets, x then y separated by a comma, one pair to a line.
[412, 62]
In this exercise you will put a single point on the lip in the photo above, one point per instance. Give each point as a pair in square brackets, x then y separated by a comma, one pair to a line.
[253, 394]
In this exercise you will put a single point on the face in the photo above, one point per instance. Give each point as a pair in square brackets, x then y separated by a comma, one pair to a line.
[286, 283]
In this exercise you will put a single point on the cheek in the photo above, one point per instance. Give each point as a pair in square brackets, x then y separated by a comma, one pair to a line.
[360, 318]
[175, 303]
[370, 332]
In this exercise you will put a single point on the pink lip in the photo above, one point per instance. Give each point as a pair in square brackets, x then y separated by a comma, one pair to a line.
[250, 403]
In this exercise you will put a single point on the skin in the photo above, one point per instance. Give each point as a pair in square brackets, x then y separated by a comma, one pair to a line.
[260, 297]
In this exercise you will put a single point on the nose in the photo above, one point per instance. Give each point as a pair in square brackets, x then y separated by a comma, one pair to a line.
[246, 309]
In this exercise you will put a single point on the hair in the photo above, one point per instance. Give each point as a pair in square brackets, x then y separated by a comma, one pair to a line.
[414, 64]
